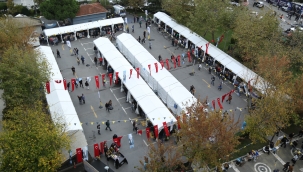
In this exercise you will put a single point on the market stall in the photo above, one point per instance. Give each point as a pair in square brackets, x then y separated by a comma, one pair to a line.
[113, 153]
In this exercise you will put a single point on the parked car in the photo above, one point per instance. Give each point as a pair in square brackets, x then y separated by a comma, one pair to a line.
[258, 4]
[284, 8]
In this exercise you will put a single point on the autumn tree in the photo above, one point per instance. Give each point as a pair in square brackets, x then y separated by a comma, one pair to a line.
[208, 137]
[179, 9]
[32, 141]
[162, 157]
[59, 9]
[274, 110]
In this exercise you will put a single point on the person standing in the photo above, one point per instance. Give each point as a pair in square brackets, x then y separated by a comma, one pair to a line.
[73, 70]
[77, 51]
[285, 166]
[134, 125]
[291, 168]
[283, 140]
[146, 24]
[96, 61]
[86, 85]
[160, 58]
[220, 86]
[133, 28]
[68, 84]
[78, 61]
[108, 125]
[229, 98]
[192, 90]
[58, 54]
[144, 34]
[213, 80]
[140, 22]
[139, 39]
[80, 82]
[99, 131]
[83, 98]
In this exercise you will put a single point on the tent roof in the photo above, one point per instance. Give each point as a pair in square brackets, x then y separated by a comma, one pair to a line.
[146, 98]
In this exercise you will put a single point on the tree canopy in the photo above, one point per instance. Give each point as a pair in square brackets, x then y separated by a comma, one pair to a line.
[59, 9]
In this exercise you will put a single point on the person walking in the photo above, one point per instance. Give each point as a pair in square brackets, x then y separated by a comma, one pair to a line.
[143, 40]
[283, 140]
[108, 125]
[80, 82]
[192, 90]
[213, 80]
[77, 51]
[78, 61]
[144, 34]
[73, 70]
[229, 98]
[220, 86]
[80, 99]
[86, 85]
[96, 61]
[209, 70]
[160, 58]
[139, 39]
[140, 22]
[83, 98]
[58, 54]
[68, 84]
[99, 131]
[82, 59]
[285, 166]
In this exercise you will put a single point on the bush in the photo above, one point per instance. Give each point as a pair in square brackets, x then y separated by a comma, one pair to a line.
[3, 6]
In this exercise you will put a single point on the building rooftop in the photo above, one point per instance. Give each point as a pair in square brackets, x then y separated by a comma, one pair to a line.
[89, 9]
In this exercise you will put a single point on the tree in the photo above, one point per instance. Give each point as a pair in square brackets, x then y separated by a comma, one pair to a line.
[274, 110]
[207, 137]
[136, 4]
[32, 142]
[22, 74]
[59, 9]
[162, 158]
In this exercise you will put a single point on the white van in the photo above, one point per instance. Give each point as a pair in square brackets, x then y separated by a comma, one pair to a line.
[119, 10]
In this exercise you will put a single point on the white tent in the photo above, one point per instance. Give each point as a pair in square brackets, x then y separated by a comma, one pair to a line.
[169, 89]
[220, 56]
[151, 105]
[60, 104]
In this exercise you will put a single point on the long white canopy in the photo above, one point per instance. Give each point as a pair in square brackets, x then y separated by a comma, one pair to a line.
[237, 68]
[169, 89]
[82, 26]
[152, 106]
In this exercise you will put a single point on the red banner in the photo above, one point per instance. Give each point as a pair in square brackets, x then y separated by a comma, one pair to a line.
[178, 120]
[97, 81]
[138, 72]
[162, 64]
[166, 129]
[79, 155]
[179, 60]
[102, 147]
[47, 85]
[131, 72]
[110, 75]
[64, 83]
[149, 69]
[189, 57]
[214, 104]
[103, 78]
[167, 64]
[118, 141]
[156, 132]
[96, 150]
[73, 84]
[139, 132]
[156, 66]
[175, 63]
[117, 77]
[219, 103]
[207, 45]
[147, 133]
[223, 97]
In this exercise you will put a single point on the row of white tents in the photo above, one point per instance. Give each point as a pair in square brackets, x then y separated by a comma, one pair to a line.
[227, 61]
[169, 89]
[145, 97]
[60, 104]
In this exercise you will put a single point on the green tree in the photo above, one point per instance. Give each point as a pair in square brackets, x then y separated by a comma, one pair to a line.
[32, 142]
[22, 74]
[136, 4]
[59, 9]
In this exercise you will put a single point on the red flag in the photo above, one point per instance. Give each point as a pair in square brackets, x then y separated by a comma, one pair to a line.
[138, 72]
[117, 77]
[189, 57]
[207, 45]
[131, 72]
[73, 84]
[178, 120]
[64, 83]
[167, 64]
[221, 38]
[156, 131]
[232, 91]
[110, 78]
[79, 155]
[175, 63]
[102, 147]
[179, 60]
[47, 85]
[214, 104]
[58, 81]
[97, 81]
[223, 97]
[149, 69]
[156, 66]
[139, 132]
[96, 150]
[119, 140]
[166, 129]
[162, 64]
[103, 78]
[219, 103]
[147, 133]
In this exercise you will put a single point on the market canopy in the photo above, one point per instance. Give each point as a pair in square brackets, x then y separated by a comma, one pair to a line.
[149, 102]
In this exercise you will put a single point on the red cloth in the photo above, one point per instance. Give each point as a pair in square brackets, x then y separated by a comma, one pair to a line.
[97, 81]
[110, 78]
[79, 155]
[64, 83]
[156, 131]
[73, 84]
[214, 104]
[131, 72]
[162, 64]
[138, 72]
[96, 150]
[167, 64]
[47, 85]
[118, 141]
[175, 63]
[117, 77]
[223, 97]
[147, 133]
[139, 132]
[219, 103]
[207, 45]
[156, 66]
[189, 57]
[179, 60]
[166, 129]
[102, 147]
